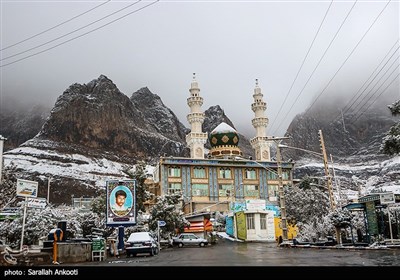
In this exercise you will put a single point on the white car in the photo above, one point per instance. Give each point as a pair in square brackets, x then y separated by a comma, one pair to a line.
[141, 242]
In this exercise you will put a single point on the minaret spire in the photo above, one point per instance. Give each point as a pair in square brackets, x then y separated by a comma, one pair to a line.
[260, 142]
[196, 138]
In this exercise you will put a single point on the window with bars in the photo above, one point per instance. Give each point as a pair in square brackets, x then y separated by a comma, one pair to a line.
[263, 221]
[199, 172]
[225, 190]
[250, 221]
[225, 173]
[273, 191]
[250, 173]
[272, 176]
[174, 171]
[251, 190]
[199, 190]
[285, 175]
[174, 188]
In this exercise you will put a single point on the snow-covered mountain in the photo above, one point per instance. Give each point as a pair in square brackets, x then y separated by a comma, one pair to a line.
[352, 140]
[354, 176]
[94, 133]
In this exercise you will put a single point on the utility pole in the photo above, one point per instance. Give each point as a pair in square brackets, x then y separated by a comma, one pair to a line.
[327, 173]
[2, 139]
[328, 181]
[336, 183]
[282, 203]
[48, 189]
[344, 127]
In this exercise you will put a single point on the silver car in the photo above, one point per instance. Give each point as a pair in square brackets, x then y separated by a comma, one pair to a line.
[187, 239]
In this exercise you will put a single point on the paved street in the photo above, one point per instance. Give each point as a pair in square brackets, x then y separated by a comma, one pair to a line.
[225, 257]
[228, 253]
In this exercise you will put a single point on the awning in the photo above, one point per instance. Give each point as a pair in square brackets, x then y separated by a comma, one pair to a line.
[201, 226]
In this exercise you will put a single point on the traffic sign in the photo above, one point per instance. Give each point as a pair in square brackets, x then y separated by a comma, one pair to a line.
[161, 223]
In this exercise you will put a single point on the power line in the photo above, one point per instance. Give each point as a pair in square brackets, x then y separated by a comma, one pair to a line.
[302, 64]
[51, 28]
[69, 40]
[383, 91]
[358, 94]
[319, 62]
[365, 96]
[69, 33]
[344, 62]
[370, 97]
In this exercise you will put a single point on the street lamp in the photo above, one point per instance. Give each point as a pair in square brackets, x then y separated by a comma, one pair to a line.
[300, 149]
[328, 176]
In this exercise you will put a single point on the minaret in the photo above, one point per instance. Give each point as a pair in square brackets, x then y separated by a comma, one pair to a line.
[196, 138]
[260, 143]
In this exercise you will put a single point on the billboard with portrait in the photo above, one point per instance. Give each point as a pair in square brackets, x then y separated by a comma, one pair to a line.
[121, 203]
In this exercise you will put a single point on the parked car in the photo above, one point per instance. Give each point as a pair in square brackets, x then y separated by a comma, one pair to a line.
[141, 242]
[189, 239]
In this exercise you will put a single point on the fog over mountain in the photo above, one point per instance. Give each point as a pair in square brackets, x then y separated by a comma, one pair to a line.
[95, 132]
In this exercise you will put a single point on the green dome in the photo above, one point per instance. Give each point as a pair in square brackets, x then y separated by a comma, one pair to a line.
[224, 135]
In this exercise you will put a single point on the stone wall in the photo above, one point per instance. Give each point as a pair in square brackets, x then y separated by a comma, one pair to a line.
[69, 252]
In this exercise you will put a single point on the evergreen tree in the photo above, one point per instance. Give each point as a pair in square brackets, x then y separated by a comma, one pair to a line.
[98, 205]
[308, 208]
[391, 142]
[341, 218]
[166, 210]
[142, 195]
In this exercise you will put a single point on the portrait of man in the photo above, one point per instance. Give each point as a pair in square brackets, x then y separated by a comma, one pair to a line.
[121, 201]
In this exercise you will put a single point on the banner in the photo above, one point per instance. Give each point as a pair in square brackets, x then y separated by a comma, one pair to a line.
[241, 225]
[121, 203]
[37, 202]
[27, 188]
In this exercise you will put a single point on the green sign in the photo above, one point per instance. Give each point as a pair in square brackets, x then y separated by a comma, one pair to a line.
[371, 217]
[98, 244]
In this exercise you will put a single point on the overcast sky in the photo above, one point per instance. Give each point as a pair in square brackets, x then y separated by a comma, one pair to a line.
[228, 44]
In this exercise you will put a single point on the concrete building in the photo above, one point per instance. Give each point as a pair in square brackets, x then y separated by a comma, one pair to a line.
[221, 178]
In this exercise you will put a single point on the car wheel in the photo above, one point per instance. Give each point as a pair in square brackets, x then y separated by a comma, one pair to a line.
[156, 251]
[201, 244]
[180, 245]
[152, 252]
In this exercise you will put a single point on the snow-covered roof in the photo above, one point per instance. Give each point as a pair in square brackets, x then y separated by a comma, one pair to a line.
[223, 128]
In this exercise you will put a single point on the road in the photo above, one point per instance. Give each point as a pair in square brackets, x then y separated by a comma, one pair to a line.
[229, 253]
[247, 260]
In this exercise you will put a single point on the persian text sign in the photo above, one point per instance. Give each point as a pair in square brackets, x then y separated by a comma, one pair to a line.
[27, 188]
[37, 202]
[387, 198]
[255, 204]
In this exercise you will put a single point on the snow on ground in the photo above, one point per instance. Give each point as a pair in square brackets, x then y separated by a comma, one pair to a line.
[73, 166]
[351, 167]
[226, 236]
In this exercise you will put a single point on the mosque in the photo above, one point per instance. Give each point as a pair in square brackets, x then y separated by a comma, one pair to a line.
[220, 179]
